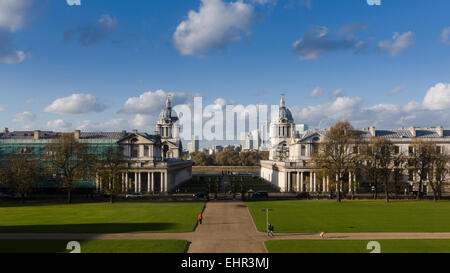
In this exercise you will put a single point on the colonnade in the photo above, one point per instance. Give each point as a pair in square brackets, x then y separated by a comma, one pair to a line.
[314, 185]
[134, 178]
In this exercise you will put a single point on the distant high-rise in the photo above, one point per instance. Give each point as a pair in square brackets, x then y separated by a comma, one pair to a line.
[194, 146]
[301, 128]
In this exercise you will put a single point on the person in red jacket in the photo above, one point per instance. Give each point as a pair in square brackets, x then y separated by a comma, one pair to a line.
[200, 219]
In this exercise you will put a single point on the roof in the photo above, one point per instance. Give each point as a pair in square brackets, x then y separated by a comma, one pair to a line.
[21, 135]
[400, 133]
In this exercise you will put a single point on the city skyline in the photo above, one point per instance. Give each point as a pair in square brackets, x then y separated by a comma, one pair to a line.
[110, 67]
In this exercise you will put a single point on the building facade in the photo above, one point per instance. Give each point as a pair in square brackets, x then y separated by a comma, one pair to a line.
[290, 164]
[152, 163]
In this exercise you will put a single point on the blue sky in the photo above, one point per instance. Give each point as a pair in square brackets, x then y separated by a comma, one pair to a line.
[99, 65]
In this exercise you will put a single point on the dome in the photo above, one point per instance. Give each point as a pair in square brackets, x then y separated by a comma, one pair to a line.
[285, 113]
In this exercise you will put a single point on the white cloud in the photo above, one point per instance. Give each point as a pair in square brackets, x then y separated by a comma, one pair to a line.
[12, 14]
[317, 42]
[2, 108]
[445, 36]
[144, 122]
[337, 93]
[399, 43]
[94, 32]
[59, 125]
[117, 124]
[434, 111]
[328, 113]
[12, 18]
[396, 90]
[213, 27]
[317, 92]
[73, 2]
[76, 104]
[263, 2]
[24, 117]
[153, 102]
[438, 97]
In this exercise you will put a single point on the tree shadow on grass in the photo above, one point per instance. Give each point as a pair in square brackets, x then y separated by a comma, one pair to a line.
[92, 228]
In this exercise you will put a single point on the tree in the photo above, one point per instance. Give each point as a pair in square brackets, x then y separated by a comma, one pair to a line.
[201, 159]
[384, 157]
[109, 171]
[338, 153]
[227, 158]
[420, 160]
[438, 173]
[21, 173]
[71, 161]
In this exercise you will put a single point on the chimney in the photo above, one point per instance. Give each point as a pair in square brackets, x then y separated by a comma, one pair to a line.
[37, 134]
[412, 129]
[77, 134]
[5, 130]
[372, 131]
[440, 131]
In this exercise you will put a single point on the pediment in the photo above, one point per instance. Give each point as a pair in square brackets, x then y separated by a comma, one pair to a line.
[134, 138]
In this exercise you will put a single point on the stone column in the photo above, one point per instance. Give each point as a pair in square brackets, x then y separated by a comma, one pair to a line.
[162, 181]
[323, 184]
[315, 184]
[328, 184]
[310, 182]
[123, 182]
[135, 182]
[97, 184]
[153, 182]
[301, 181]
[126, 181]
[349, 182]
[148, 182]
[140, 182]
[298, 181]
[166, 182]
[288, 186]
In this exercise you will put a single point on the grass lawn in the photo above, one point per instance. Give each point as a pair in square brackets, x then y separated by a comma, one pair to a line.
[357, 246]
[94, 246]
[353, 216]
[121, 217]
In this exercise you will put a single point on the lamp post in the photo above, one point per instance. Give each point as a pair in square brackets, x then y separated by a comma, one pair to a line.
[267, 218]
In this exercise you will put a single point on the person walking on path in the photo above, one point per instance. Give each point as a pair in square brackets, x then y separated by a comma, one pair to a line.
[200, 218]
[270, 229]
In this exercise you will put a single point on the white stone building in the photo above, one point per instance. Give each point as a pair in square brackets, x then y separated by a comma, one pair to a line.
[290, 166]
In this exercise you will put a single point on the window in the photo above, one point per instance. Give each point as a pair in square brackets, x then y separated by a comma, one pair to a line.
[438, 149]
[146, 151]
[410, 149]
[396, 149]
[302, 150]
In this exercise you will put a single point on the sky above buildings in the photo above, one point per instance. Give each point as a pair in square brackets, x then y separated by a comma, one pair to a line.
[109, 64]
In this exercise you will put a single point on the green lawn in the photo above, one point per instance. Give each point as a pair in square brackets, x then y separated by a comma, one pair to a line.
[353, 216]
[122, 217]
[94, 246]
[357, 246]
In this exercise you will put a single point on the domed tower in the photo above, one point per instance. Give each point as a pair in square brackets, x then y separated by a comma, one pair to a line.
[168, 129]
[285, 122]
[281, 131]
[165, 126]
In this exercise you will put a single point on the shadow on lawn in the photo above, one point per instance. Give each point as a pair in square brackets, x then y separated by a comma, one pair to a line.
[91, 228]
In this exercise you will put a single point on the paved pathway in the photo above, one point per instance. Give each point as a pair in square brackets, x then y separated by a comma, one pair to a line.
[227, 228]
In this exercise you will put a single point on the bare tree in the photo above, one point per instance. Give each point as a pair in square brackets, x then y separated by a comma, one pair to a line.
[384, 158]
[337, 155]
[71, 161]
[438, 172]
[21, 173]
[420, 160]
[109, 171]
